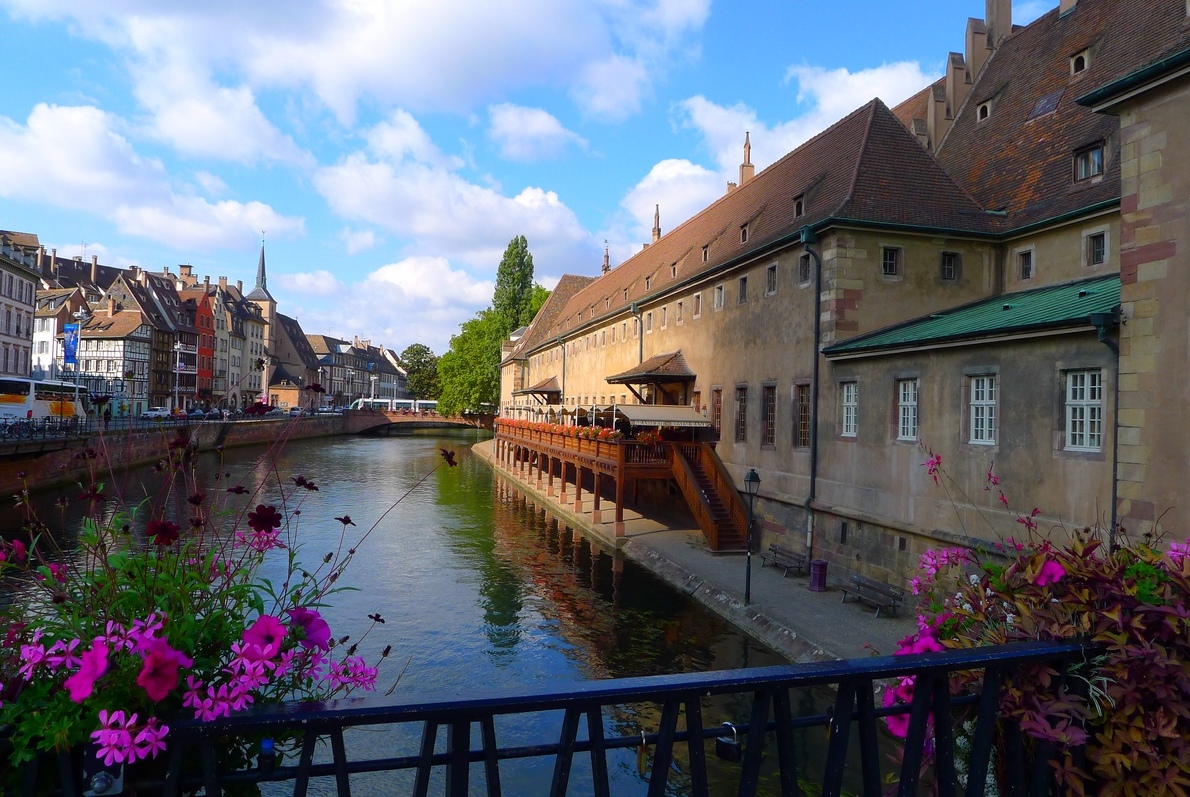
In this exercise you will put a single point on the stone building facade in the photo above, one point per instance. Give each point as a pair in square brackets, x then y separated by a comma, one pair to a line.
[992, 273]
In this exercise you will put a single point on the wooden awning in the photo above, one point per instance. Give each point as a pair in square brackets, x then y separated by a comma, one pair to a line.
[663, 369]
[543, 391]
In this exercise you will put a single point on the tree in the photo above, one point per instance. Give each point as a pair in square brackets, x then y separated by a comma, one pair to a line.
[536, 300]
[421, 371]
[471, 369]
[512, 299]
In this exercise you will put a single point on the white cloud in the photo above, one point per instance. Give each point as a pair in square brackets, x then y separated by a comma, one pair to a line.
[211, 183]
[1026, 12]
[314, 283]
[77, 158]
[400, 138]
[834, 93]
[358, 240]
[680, 189]
[613, 89]
[529, 134]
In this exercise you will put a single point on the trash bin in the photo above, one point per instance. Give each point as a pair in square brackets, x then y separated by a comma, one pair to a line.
[818, 575]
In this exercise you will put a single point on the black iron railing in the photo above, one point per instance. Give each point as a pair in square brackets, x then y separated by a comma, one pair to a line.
[455, 745]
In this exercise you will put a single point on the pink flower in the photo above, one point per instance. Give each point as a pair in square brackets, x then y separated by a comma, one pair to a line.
[266, 633]
[159, 674]
[315, 633]
[932, 465]
[1178, 552]
[114, 737]
[94, 665]
[1050, 573]
[151, 739]
[18, 549]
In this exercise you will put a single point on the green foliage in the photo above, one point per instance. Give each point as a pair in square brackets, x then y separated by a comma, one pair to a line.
[471, 369]
[513, 297]
[537, 300]
[421, 371]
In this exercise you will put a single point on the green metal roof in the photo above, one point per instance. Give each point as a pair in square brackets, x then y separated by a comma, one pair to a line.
[1041, 309]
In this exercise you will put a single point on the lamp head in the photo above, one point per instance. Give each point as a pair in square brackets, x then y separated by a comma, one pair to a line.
[752, 482]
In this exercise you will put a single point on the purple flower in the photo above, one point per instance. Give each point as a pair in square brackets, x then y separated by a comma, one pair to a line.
[1050, 573]
[315, 633]
[94, 665]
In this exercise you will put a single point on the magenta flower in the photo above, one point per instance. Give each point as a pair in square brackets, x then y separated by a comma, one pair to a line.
[266, 633]
[1051, 573]
[159, 674]
[314, 631]
[264, 518]
[1178, 552]
[94, 665]
[114, 737]
[151, 739]
[162, 532]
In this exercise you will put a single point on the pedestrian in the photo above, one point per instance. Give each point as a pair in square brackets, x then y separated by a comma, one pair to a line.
[107, 417]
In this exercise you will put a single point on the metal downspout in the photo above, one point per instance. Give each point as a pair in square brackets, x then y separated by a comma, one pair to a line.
[808, 237]
[1104, 323]
[562, 343]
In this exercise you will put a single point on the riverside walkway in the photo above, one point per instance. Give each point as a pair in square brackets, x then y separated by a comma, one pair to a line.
[784, 614]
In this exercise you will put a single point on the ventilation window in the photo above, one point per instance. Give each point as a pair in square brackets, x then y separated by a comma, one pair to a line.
[673, 270]
[744, 234]
[1079, 62]
[706, 255]
[648, 283]
[985, 110]
[799, 207]
[625, 294]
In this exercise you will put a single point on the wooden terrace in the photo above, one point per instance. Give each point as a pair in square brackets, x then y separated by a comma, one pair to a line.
[563, 464]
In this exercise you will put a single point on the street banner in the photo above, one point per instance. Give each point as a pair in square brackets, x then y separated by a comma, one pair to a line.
[70, 344]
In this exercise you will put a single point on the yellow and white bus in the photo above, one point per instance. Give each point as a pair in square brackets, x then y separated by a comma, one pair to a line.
[35, 398]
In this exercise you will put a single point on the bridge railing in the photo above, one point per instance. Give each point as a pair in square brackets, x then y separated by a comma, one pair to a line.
[452, 741]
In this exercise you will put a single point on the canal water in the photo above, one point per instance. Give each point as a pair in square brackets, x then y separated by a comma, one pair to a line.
[480, 588]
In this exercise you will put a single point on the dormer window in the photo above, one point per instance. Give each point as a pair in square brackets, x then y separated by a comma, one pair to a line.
[744, 233]
[625, 294]
[648, 283]
[1080, 61]
[673, 270]
[706, 255]
[799, 207]
[1088, 162]
[985, 110]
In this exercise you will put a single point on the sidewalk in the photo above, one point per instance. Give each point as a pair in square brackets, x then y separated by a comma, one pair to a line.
[783, 613]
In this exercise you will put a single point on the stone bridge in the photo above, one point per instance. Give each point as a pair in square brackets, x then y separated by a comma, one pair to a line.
[395, 422]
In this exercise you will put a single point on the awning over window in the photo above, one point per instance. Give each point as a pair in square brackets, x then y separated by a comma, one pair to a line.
[661, 415]
[662, 369]
[543, 391]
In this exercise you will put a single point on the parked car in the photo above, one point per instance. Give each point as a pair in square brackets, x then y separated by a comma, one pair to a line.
[196, 414]
[155, 413]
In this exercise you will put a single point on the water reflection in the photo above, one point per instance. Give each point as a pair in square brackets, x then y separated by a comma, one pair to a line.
[479, 588]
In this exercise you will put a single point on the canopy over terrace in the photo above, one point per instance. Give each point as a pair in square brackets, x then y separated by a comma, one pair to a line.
[546, 391]
[662, 415]
[668, 375]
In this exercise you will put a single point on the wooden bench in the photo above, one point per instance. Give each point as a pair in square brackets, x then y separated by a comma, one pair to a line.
[873, 592]
[782, 557]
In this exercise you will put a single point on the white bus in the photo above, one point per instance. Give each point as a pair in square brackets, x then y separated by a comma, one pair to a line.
[33, 398]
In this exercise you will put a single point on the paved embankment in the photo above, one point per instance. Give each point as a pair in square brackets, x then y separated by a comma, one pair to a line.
[783, 613]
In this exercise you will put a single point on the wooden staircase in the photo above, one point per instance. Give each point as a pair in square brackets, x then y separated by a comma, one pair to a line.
[711, 496]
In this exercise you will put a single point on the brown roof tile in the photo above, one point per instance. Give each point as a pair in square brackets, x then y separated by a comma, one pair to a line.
[669, 366]
[1020, 159]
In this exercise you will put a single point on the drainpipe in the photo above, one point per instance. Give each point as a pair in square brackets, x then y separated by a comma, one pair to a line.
[562, 343]
[634, 308]
[1104, 323]
[808, 237]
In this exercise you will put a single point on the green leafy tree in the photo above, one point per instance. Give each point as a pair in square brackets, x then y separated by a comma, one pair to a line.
[512, 300]
[536, 300]
[421, 371]
[471, 369]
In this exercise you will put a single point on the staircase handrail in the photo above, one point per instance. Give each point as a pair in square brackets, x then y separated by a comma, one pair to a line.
[684, 475]
[724, 486]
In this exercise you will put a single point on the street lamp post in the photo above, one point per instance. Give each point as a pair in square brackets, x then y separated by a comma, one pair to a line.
[752, 487]
[373, 379]
[177, 374]
[81, 316]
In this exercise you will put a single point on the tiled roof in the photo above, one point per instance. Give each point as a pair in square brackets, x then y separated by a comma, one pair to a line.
[1020, 159]
[866, 168]
[1040, 309]
[544, 324]
[299, 340]
[120, 325]
[916, 107]
[662, 367]
[549, 385]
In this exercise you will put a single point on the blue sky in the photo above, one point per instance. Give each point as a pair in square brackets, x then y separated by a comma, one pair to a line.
[388, 151]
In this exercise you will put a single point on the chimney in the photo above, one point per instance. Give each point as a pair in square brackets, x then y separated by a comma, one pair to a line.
[40, 257]
[94, 269]
[656, 223]
[1066, 6]
[111, 307]
[606, 262]
[185, 269]
[223, 283]
[142, 277]
[999, 20]
[747, 170]
[937, 119]
[206, 284]
[240, 286]
[165, 269]
[958, 85]
[132, 272]
[731, 186]
[977, 47]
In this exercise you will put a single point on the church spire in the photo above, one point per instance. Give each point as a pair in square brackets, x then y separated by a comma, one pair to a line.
[261, 291]
[656, 223]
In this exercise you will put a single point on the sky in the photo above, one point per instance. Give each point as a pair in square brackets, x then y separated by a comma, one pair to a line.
[386, 151]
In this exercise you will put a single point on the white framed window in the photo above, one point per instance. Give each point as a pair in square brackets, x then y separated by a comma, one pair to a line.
[890, 261]
[799, 206]
[742, 290]
[706, 253]
[1095, 248]
[951, 266]
[983, 410]
[849, 399]
[718, 300]
[648, 322]
[906, 409]
[1088, 163]
[1084, 410]
[803, 269]
[1025, 267]
[665, 316]
[678, 312]
[697, 299]
[770, 279]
